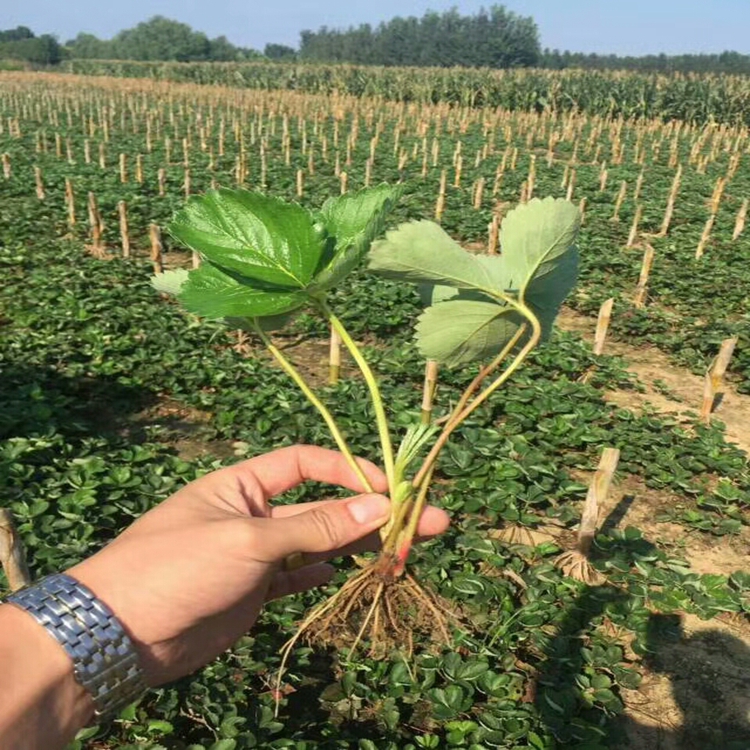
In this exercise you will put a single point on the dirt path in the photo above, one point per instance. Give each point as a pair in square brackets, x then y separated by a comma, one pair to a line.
[669, 389]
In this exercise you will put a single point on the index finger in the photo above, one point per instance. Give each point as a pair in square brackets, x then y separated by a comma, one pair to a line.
[282, 469]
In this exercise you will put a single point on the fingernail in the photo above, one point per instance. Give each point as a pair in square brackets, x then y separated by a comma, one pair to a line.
[369, 508]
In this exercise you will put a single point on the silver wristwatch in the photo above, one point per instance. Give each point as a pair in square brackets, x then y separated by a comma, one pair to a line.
[104, 658]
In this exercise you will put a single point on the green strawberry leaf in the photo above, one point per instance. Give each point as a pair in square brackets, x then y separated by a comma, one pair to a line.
[213, 293]
[463, 330]
[170, 282]
[535, 238]
[255, 235]
[354, 220]
[423, 253]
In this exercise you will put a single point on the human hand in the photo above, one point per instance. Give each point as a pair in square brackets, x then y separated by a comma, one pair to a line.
[189, 577]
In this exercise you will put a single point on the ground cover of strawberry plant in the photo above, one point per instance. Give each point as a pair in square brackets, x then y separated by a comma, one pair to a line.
[113, 397]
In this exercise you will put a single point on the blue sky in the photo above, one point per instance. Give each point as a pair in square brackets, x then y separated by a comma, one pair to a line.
[619, 26]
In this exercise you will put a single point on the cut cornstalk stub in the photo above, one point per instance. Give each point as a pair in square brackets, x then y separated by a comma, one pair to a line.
[642, 289]
[124, 234]
[638, 187]
[12, 556]
[705, 236]
[39, 183]
[493, 235]
[620, 198]
[440, 204]
[713, 389]
[428, 391]
[575, 563]
[634, 226]
[334, 357]
[70, 202]
[571, 185]
[602, 325]
[669, 211]
[739, 224]
[156, 248]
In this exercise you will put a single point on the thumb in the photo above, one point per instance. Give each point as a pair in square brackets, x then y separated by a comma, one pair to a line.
[325, 528]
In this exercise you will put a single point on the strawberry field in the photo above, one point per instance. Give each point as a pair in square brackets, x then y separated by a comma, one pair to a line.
[113, 397]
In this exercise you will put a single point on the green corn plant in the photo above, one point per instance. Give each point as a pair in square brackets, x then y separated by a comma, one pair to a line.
[264, 260]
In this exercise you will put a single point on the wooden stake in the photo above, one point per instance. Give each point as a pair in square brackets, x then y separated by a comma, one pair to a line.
[123, 168]
[300, 183]
[582, 208]
[428, 391]
[12, 556]
[139, 169]
[186, 182]
[642, 288]
[124, 234]
[87, 151]
[102, 156]
[6, 166]
[344, 177]
[334, 357]
[161, 176]
[156, 248]
[602, 325]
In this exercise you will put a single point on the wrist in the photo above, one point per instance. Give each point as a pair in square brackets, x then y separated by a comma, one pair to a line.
[46, 700]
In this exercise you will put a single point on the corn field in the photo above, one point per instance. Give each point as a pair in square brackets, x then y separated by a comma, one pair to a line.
[697, 99]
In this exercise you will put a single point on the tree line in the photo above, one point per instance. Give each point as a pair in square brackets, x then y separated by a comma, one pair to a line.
[492, 38]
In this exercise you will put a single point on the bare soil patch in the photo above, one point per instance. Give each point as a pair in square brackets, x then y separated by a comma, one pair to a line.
[669, 389]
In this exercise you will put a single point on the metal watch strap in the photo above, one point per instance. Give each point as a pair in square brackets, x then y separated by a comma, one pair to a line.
[104, 658]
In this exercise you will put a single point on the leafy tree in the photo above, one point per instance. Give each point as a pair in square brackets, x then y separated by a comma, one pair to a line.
[494, 38]
[280, 52]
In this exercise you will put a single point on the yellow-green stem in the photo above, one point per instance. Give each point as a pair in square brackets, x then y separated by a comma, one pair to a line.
[483, 396]
[292, 371]
[377, 401]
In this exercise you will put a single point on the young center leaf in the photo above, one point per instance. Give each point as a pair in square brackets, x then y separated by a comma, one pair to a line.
[257, 236]
[423, 253]
[212, 293]
[460, 331]
[354, 220]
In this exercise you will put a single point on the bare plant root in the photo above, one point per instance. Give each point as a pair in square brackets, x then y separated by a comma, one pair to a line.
[576, 565]
[374, 607]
